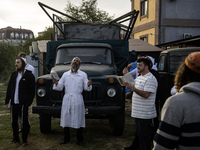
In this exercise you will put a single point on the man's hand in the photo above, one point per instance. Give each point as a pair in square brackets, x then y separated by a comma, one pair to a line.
[129, 86]
[130, 66]
[125, 70]
[144, 94]
[55, 81]
[89, 82]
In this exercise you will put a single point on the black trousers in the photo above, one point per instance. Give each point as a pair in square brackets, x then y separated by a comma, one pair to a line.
[145, 131]
[154, 123]
[16, 111]
[79, 134]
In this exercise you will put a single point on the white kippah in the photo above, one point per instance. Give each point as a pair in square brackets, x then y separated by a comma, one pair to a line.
[77, 58]
[23, 59]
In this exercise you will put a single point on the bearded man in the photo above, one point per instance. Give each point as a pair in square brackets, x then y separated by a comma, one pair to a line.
[143, 104]
[20, 95]
[73, 109]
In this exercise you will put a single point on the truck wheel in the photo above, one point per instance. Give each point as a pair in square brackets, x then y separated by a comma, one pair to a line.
[117, 122]
[45, 123]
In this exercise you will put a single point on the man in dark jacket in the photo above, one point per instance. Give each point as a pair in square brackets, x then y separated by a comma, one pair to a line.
[20, 95]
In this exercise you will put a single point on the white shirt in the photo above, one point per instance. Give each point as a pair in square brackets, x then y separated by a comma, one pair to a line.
[144, 108]
[134, 73]
[16, 98]
[73, 108]
[30, 68]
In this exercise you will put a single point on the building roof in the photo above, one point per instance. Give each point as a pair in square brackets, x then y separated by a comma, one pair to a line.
[141, 46]
[195, 41]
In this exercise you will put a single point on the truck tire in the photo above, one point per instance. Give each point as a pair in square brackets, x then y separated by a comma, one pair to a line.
[117, 122]
[45, 123]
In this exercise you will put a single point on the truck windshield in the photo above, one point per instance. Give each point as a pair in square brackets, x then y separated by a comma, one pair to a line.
[86, 54]
[161, 64]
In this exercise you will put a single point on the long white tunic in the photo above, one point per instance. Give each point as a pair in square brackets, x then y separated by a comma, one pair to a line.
[73, 108]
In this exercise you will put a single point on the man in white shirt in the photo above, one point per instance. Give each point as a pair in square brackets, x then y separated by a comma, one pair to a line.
[143, 103]
[73, 109]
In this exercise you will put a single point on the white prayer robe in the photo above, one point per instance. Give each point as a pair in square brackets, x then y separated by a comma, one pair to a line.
[73, 108]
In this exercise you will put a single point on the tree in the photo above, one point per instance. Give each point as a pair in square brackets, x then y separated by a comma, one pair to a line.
[87, 12]
[8, 54]
[46, 35]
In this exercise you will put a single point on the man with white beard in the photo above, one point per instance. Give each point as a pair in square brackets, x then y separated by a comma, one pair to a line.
[73, 109]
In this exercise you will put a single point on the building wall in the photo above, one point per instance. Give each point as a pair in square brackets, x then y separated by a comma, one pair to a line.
[151, 39]
[151, 12]
[15, 35]
[179, 18]
[146, 26]
[167, 20]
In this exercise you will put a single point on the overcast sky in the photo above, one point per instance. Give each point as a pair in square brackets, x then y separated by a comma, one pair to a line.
[29, 15]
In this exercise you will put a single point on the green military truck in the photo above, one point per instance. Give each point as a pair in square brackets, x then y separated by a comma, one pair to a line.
[103, 56]
[168, 63]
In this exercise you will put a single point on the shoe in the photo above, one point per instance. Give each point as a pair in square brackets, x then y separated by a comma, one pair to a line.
[25, 144]
[64, 142]
[81, 143]
[14, 141]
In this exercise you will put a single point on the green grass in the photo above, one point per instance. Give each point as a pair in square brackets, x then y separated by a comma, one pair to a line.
[97, 134]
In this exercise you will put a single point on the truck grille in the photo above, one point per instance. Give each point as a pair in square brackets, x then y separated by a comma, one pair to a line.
[94, 94]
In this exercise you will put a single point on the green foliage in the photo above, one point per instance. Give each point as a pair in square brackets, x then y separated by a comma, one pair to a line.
[87, 12]
[27, 44]
[46, 35]
[8, 54]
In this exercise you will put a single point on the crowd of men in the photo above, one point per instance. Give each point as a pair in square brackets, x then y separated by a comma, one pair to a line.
[179, 127]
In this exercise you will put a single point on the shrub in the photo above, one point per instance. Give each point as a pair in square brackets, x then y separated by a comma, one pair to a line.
[8, 54]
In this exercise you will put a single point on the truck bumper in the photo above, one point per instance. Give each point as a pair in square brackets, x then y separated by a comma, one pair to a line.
[46, 110]
[88, 110]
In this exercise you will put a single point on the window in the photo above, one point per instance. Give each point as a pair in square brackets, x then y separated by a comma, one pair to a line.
[21, 35]
[101, 55]
[2, 35]
[31, 35]
[11, 35]
[26, 35]
[17, 35]
[144, 38]
[143, 8]
[161, 63]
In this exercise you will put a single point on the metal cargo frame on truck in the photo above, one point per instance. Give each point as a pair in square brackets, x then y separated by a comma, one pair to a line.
[107, 98]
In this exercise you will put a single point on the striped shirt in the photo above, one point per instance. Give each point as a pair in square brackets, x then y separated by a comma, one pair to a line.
[180, 121]
[144, 108]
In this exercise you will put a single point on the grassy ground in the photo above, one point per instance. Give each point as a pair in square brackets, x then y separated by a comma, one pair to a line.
[97, 134]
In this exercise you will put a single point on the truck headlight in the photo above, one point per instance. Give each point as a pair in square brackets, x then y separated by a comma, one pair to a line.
[111, 92]
[41, 92]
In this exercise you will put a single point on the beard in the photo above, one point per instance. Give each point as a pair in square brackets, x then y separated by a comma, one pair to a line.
[75, 67]
[20, 69]
[141, 70]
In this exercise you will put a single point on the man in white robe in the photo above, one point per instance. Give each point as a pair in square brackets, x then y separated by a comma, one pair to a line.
[73, 109]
